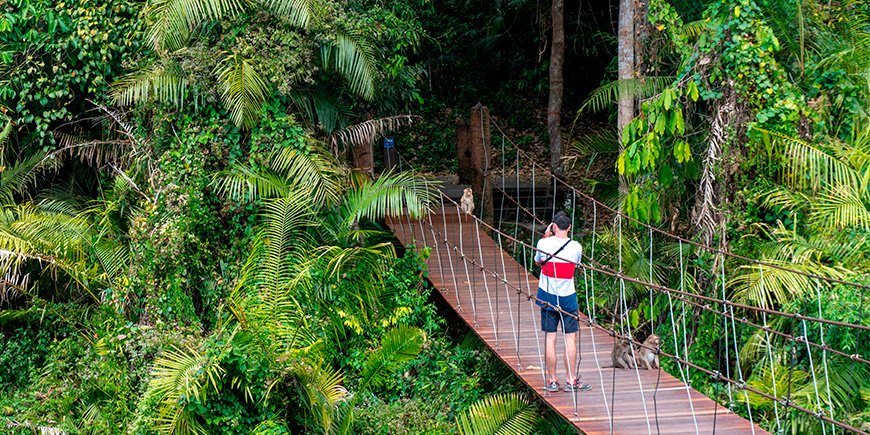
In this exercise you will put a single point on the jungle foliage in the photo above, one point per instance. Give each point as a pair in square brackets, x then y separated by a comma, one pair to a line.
[186, 248]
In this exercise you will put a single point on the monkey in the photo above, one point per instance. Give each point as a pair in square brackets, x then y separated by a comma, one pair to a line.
[621, 355]
[466, 204]
[646, 355]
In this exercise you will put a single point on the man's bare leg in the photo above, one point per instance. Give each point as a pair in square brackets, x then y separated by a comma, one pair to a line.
[550, 355]
[570, 355]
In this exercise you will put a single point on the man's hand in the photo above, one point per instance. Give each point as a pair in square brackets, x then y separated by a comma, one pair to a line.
[549, 231]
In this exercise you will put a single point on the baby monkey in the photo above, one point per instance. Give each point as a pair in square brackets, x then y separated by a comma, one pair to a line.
[466, 204]
[621, 354]
[646, 355]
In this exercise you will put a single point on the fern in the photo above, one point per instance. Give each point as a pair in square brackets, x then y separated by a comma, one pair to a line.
[399, 345]
[164, 81]
[503, 414]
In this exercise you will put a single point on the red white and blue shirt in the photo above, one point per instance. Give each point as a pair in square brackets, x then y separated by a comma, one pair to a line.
[557, 274]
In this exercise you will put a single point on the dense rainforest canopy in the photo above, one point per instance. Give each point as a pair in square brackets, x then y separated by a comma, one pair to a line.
[189, 242]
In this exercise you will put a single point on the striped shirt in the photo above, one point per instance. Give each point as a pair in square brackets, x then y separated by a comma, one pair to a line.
[557, 275]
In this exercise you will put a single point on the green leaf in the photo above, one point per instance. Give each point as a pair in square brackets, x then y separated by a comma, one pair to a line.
[244, 91]
[505, 414]
[693, 91]
[660, 125]
[633, 316]
[679, 124]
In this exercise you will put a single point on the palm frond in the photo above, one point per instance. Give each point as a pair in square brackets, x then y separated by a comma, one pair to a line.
[284, 223]
[323, 393]
[399, 345]
[244, 91]
[807, 166]
[317, 173]
[780, 196]
[17, 177]
[350, 57]
[605, 95]
[842, 207]
[333, 261]
[367, 132]
[693, 29]
[164, 81]
[93, 151]
[602, 141]
[179, 377]
[779, 286]
[389, 195]
[170, 22]
[502, 414]
[243, 182]
[296, 12]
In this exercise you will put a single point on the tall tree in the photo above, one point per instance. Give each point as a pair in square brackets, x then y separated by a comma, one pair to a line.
[554, 108]
[625, 72]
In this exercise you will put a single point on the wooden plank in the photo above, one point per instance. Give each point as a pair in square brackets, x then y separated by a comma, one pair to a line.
[489, 290]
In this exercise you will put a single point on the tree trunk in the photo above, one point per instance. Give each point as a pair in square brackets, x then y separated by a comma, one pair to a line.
[626, 71]
[554, 108]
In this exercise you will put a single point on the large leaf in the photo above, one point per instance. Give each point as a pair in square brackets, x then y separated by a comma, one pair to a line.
[164, 81]
[503, 414]
[389, 195]
[171, 21]
[243, 90]
[350, 57]
[399, 345]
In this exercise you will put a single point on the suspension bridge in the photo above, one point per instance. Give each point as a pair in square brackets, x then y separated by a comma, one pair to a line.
[484, 271]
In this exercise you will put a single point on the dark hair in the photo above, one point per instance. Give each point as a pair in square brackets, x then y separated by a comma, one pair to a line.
[562, 220]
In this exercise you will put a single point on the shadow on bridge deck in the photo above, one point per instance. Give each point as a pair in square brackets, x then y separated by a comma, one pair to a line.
[642, 401]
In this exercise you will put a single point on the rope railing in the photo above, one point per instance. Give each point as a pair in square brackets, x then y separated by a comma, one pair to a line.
[759, 310]
[764, 311]
[684, 297]
[741, 385]
[613, 333]
[674, 236]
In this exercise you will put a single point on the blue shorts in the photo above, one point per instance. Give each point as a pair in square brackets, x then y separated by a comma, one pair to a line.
[550, 318]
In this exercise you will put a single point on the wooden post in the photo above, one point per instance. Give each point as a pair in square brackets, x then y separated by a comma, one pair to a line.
[363, 158]
[481, 156]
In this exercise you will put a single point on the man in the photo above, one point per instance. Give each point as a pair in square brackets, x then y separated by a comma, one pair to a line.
[558, 300]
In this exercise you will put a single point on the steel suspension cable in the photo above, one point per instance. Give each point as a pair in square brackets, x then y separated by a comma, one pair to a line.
[687, 378]
[469, 281]
[819, 408]
[824, 353]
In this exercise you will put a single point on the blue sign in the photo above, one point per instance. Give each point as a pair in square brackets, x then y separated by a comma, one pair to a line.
[389, 142]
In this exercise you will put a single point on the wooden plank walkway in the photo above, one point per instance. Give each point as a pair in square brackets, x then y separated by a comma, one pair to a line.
[507, 323]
